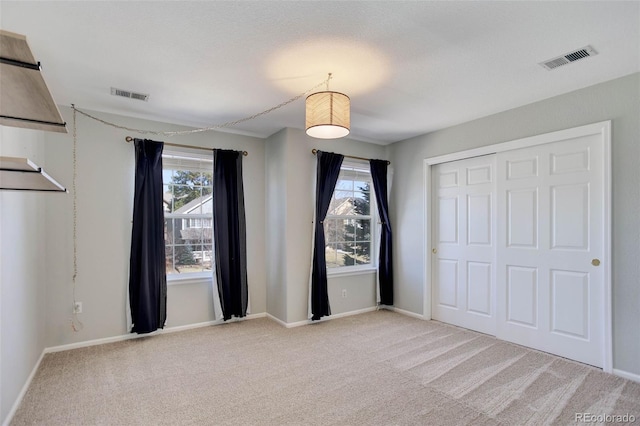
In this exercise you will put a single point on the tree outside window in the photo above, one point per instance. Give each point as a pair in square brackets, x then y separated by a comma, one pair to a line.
[348, 223]
[188, 214]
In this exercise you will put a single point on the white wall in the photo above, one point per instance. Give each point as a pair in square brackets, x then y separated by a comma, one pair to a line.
[290, 149]
[23, 279]
[616, 100]
[105, 204]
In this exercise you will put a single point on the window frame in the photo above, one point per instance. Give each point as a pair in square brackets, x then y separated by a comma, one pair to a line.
[195, 155]
[374, 228]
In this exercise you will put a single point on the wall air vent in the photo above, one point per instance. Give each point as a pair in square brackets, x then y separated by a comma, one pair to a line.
[129, 94]
[567, 58]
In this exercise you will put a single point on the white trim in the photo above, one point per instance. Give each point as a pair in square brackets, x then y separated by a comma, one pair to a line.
[626, 375]
[602, 128]
[426, 244]
[179, 279]
[589, 129]
[276, 319]
[607, 362]
[350, 313]
[342, 273]
[23, 391]
[323, 319]
[131, 336]
[406, 313]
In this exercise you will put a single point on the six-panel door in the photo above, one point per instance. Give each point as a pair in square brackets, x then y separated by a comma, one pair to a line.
[464, 243]
[517, 239]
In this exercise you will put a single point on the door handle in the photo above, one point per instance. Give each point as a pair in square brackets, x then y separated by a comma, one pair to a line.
[595, 262]
[434, 251]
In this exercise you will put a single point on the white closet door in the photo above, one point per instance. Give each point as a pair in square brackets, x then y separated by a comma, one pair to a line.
[463, 244]
[550, 287]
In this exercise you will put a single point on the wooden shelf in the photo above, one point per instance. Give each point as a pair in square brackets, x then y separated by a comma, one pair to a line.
[25, 99]
[22, 174]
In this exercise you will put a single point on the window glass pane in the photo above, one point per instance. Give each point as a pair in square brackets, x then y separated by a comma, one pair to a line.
[361, 185]
[341, 203]
[207, 201]
[340, 229]
[187, 191]
[167, 197]
[358, 246]
[362, 229]
[362, 203]
[168, 252]
[348, 234]
[330, 230]
[207, 256]
[185, 259]
[344, 184]
[207, 179]
[191, 234]
[331, 256]
[166, 175]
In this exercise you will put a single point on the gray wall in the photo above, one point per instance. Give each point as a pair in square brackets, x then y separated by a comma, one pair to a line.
[22, 270]
[105, 204]
[276, 224]
[291, 181]
[617, 100]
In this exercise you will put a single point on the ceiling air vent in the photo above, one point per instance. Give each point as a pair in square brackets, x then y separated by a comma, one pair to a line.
[129, 94]
[567, 58]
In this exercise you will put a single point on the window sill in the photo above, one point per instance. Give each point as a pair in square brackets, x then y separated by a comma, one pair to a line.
[351, 272]
[178, 280]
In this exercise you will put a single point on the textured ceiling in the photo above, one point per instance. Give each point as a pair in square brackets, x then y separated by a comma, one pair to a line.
[409, 67]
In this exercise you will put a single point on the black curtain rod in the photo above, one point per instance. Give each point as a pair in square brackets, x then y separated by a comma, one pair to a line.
[130, 139]
[315, 151]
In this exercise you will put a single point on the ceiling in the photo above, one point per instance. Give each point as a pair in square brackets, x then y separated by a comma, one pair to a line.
[409, 67]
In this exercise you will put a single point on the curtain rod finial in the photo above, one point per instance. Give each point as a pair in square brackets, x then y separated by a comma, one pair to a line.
[128, 139]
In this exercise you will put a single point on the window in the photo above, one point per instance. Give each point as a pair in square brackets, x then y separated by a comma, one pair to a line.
[188, 213]
[348, 225]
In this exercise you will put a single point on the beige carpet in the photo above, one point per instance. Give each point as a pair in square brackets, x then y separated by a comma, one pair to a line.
[379, 368]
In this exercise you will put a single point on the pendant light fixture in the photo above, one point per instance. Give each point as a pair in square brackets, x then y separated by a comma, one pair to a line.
[328, 114]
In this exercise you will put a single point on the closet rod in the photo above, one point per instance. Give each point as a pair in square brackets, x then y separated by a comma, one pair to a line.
[315, 151]
[130, 139]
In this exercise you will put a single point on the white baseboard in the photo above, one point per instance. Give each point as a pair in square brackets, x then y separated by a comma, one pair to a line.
[627, 375]
[407, 313]
[350, 313]
[323, 319]
[23, 391]
[130, 336]
[278, 320]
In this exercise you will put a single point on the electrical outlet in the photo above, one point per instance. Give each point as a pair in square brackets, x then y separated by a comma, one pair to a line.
[344, 293]
[77, 308]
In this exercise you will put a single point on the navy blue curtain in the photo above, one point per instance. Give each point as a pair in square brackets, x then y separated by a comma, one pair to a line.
[230, 233]
[328, 170]
[385, 260]
[147, 270]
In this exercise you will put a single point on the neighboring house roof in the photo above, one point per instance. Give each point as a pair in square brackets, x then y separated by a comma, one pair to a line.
[194, 204]
[344, 207]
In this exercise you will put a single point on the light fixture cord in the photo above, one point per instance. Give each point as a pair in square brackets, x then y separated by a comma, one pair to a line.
[208, 128]
[76, 324]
